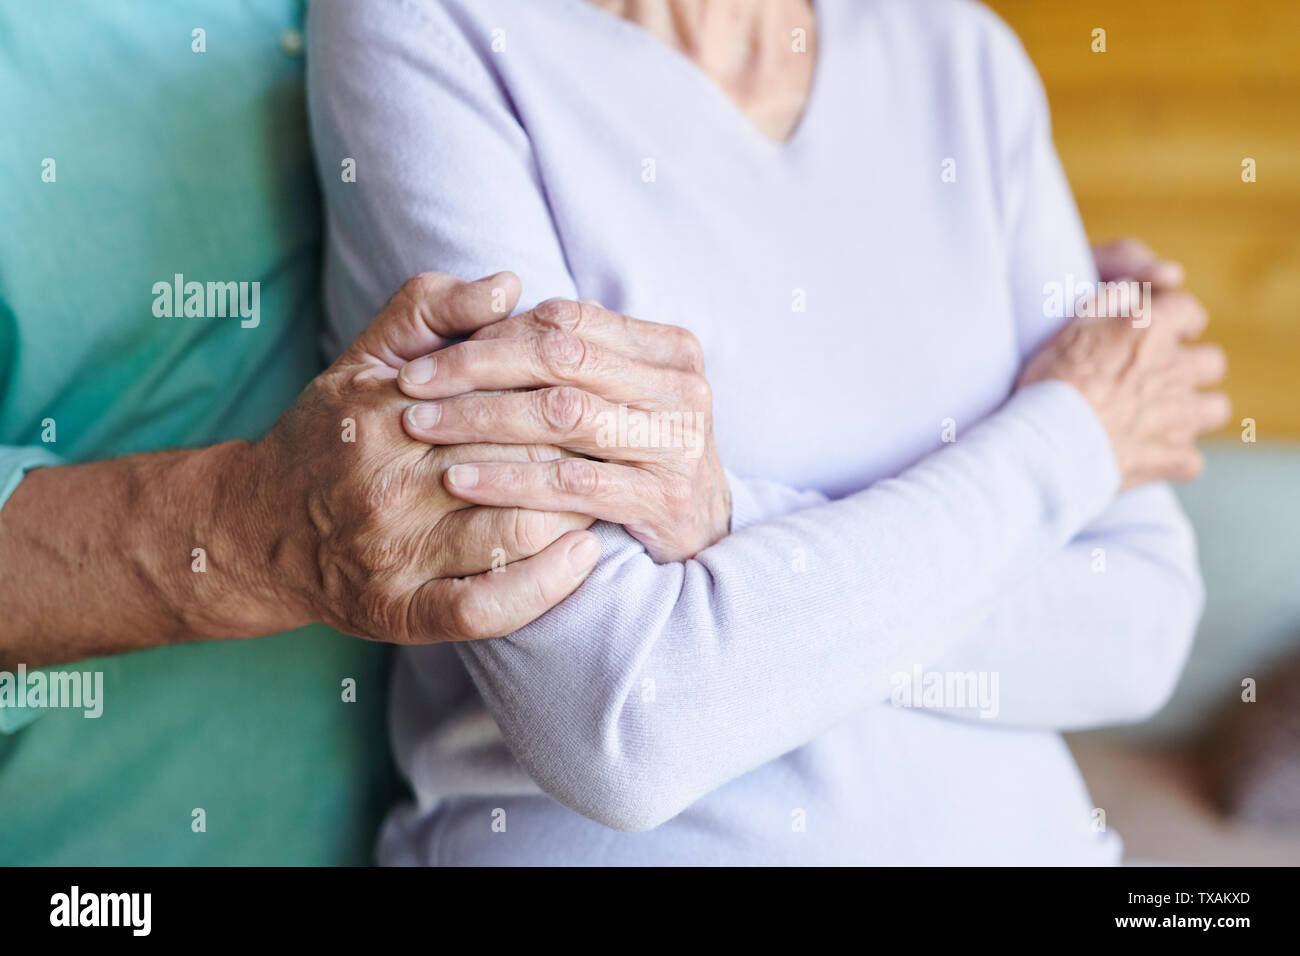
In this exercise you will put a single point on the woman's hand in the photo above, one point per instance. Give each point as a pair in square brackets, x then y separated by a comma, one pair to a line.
[628, 395]
[1144, 384]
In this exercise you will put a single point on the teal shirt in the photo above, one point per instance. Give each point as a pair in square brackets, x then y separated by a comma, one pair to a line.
[130, 157]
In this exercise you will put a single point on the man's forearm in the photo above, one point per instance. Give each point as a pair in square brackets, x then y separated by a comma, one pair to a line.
[135, 552]
[336, 516]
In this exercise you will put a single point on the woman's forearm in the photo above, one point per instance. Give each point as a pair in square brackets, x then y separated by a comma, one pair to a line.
[655, 684]
[134, 552]
[1096, 635]
[1099, 633]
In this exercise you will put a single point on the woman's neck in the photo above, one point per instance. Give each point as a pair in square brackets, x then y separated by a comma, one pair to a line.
[750, 48]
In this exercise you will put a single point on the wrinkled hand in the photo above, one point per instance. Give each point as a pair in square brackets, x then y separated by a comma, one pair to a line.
[365, 537]
[1144, 383]
[628, 395]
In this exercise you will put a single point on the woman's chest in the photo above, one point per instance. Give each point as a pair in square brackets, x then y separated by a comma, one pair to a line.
[850, 290]
[847, 330]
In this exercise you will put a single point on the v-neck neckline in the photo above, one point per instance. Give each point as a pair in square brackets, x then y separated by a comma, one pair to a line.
[693, 73]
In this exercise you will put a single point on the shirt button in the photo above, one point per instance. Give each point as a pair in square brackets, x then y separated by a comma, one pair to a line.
[291, 42]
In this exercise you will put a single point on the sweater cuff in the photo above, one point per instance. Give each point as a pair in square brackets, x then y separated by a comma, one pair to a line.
[1074, 451]
[745, 509]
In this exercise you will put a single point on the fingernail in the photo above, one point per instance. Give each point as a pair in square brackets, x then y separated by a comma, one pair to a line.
[584, 554]
[420, 371]
[463, 476]
[424, 416]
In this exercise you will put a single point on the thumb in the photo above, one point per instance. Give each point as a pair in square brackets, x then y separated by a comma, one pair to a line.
[431, 309]
[492, 604]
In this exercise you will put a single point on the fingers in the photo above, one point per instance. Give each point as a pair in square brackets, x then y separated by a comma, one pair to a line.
[431, 308]
[1170, 453]
[1209, 411]
[1176, 462]
[1201, 365]
[1179, 314]
[649, 342]
[564, 416]
[551, 358]
[494, 604]
[478, 539]
[605, 491]
[1181, 418]
[1133, 259]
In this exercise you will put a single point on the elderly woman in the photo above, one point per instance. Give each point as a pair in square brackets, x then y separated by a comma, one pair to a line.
[856, 211]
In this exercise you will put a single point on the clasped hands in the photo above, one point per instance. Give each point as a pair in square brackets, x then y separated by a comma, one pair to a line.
[390, 518]
[413, 470]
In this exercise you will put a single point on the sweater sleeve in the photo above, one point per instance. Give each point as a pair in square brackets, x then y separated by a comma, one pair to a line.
[386, 81]
[656, 683]
[1097, 634]
[1100, 631]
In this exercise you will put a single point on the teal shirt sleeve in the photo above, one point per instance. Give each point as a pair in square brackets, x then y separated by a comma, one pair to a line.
[137, 157]
[15, 462]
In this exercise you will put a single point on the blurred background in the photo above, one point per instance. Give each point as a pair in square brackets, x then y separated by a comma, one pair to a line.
[1153, 133]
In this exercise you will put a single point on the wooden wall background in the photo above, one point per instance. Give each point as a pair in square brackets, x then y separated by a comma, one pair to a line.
[1153, 133]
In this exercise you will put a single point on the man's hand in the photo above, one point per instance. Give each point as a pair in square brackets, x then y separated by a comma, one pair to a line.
[336, 516]
[365, 535]
[631, 396]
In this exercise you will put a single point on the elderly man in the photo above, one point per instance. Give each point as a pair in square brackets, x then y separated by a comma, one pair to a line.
[175, 142]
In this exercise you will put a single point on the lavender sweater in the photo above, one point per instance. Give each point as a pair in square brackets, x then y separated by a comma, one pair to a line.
[865, 293]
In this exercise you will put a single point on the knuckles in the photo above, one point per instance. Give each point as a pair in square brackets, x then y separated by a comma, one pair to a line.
[564, 354]
[465, 618]
[678, 496]
[420, 291]
[563, 315]
[698, 392]
[424, 286]
[577, 476]
[563, 408]
[530, 531]
[692, 352]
